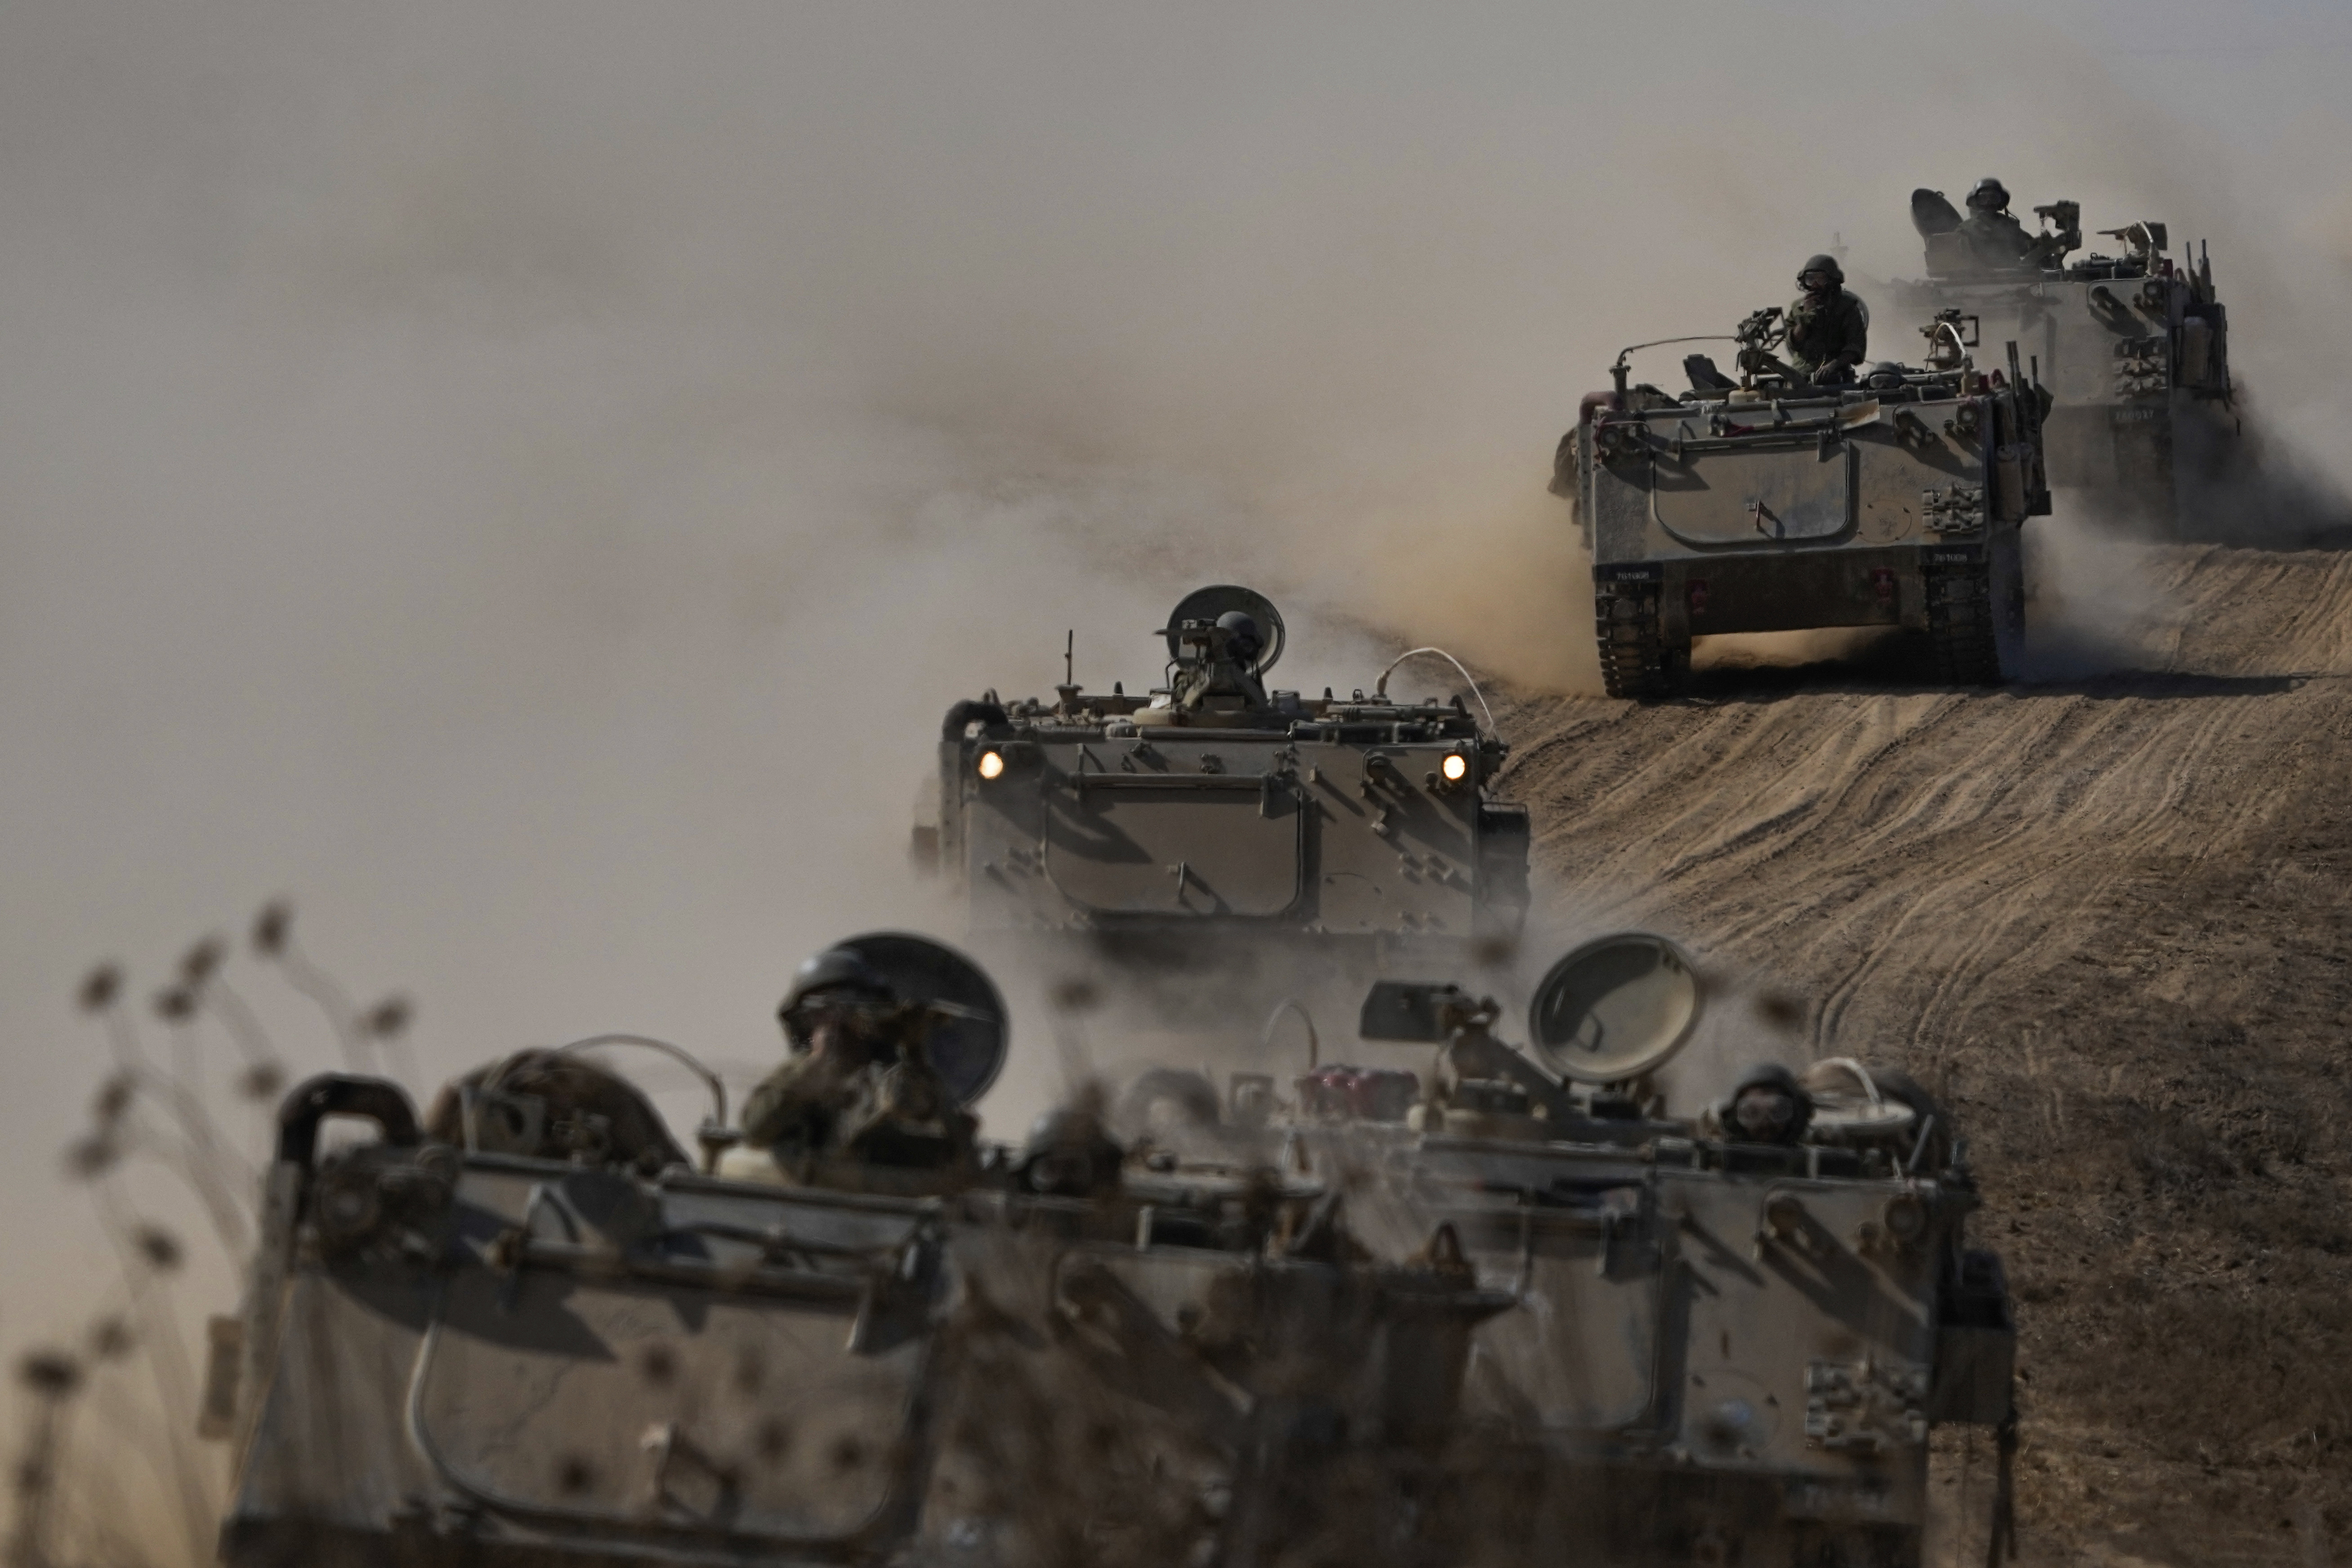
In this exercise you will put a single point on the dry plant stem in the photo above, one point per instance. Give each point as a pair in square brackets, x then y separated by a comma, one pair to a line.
[167, 1358]
[402, 1061]
[243, 1024]
[128, 1429]
[331, 999]
[29, 1544]
[217, 1176]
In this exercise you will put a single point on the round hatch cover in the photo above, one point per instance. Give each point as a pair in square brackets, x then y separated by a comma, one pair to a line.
[1615, 1008]
[1208, 603]
[967, 1041]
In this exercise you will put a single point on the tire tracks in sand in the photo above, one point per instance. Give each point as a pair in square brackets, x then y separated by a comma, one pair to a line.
[1896, 852]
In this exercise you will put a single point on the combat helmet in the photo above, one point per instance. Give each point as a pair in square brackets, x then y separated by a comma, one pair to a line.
[1242, 636]
[836, 969]
[1069, 1154]
[1824, 263]
[1989, 195]
[1786, 1128]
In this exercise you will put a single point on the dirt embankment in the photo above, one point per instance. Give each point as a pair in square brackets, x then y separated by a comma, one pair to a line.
[2112, 918]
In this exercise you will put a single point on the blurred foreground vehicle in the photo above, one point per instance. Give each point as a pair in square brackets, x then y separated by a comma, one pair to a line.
[1552, 1323]
[1773, 503]
[1214, 827]
[2134, 348]
[1736, 1327]
[552, 1340]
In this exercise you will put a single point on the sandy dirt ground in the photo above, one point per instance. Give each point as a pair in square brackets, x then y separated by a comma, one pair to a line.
[2110, 915]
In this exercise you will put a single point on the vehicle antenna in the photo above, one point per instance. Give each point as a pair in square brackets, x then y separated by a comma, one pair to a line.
[1069, 645]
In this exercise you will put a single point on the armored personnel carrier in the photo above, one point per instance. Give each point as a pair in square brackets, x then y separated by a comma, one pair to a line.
[1733, 1334]
[1213, 817]
[552, 1338]
[1770, 503]
[2133, 347]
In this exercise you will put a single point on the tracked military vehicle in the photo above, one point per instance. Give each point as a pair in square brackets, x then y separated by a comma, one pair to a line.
[1770, 503]
[555, 1341]
[2133, 347]
[1726, 1347]
[1213, 819]
[1605, 1331]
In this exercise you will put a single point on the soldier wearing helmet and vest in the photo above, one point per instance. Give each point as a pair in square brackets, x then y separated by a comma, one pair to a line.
[1828, 326]
[859, 1085]
[1995, 238]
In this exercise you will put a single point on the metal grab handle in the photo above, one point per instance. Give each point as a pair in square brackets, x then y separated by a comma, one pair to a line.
[378, 1099]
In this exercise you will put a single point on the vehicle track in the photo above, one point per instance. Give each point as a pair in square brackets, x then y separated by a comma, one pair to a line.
[2113, 915]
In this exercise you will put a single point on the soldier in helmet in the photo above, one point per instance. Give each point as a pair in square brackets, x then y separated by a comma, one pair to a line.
[1768, 1105]
[1226, 677]
[1995, 238]
[1828, 326]
[1070, 1154]
[859, 1085]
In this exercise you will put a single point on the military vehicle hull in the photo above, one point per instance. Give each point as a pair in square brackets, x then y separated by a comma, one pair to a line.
[1722, 513]
[465, 1358]
[2142, 417]
[1612, 1336]
[1240, 843]
[1334, 846]
[1699, 1361]
[1725, 1354]
[1723, 1351]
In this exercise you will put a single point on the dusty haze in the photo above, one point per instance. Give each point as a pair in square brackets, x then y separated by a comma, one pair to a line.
[526, 480]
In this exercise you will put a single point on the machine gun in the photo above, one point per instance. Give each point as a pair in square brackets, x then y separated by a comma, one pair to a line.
[1758, 334]
[2062, 231]
[1220, 651]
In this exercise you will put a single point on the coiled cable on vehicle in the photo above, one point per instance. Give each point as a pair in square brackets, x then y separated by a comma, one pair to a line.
[1314, 1040]
[1381, 687]
[676, 1052]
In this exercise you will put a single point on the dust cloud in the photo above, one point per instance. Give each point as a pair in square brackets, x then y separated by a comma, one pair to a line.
[528, 479]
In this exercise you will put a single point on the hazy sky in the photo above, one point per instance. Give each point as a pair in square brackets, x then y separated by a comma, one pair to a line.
[525, 479]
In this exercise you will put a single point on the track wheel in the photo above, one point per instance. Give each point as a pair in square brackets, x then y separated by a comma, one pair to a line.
[1976, 616]
[1635, 659]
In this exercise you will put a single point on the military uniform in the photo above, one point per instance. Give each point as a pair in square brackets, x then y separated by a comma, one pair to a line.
[1831, 327]
[887, 1110]
[859, 1087]
[1996, 240]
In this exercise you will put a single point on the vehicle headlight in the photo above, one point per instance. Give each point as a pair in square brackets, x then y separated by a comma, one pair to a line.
[1455, 767]
[991, 764]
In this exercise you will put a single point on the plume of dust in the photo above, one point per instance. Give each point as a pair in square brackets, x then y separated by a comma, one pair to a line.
[544, 470]
[2098, 596]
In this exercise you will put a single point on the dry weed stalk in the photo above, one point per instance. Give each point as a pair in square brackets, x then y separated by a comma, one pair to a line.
[69, 1504]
